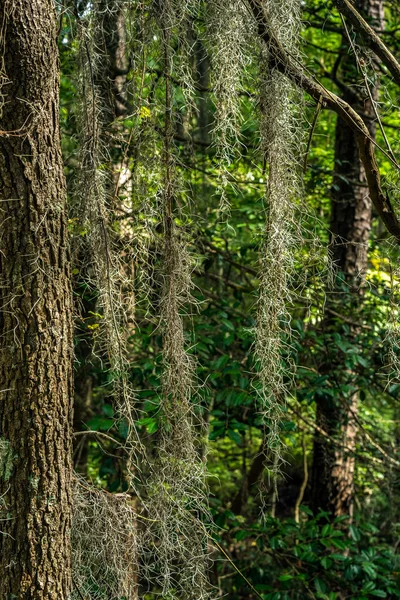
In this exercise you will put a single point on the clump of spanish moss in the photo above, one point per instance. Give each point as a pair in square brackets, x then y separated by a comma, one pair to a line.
[392, 338]
[390, 246]
[229, 28]
[228, 35]
[177, 559]
[95, 238]
[175, 544]
[104, 551]
[280, 141]
[176, 17]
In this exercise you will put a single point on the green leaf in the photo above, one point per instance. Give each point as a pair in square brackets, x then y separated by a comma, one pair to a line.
[368, 587]
[123, 429]
[234, 436]
[320, 586]
[339, 544]
[306, 510]
[108, 410]
[152, 426]
[355, 534]
[100, 424]
[327, 530]
[228, 324]
[326, 562]
[285, 577]
[369, 569]
[338, 557]
[216, 433]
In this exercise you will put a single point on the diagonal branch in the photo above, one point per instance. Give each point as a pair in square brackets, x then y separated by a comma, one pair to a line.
[370, 38]
[287, 65]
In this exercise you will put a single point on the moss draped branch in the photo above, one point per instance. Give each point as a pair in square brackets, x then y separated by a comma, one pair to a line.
[284, 63]
[369, 37]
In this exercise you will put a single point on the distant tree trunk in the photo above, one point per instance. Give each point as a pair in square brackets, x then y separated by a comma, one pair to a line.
[333, 464]
[115, 69]
[239, 502]
[36, 318]
[84, 373]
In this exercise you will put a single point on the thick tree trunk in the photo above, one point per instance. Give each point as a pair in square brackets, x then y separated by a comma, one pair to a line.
[36, 314]
[333, 464]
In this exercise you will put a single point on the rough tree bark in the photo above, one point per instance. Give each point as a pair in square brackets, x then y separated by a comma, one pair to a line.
[36, 313]
[333, 465]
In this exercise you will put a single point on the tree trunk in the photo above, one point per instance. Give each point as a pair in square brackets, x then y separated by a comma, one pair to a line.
[333, 464]
[36, 317]
[112, 15]
[239, 502]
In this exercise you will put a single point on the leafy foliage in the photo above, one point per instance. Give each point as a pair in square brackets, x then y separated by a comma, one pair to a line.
[339, 348]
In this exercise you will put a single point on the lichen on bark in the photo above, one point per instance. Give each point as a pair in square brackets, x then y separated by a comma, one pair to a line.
[7, 458]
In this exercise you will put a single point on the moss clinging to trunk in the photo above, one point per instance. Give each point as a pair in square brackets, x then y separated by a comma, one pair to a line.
[7, 459]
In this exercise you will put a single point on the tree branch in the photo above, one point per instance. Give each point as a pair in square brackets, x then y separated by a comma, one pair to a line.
[370, 38]
[284, 63]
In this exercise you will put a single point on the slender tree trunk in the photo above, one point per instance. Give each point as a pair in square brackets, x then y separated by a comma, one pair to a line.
[239, 502]
[36, 314]
[84, 378]
[333, 464]
[115, 69]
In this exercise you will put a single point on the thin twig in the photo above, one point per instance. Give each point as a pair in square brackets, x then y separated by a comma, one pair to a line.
[101, 433]
[314, 123]
[304, 482]
[77, 589]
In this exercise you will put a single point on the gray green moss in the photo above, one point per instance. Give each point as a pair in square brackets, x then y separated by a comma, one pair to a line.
[7, 459]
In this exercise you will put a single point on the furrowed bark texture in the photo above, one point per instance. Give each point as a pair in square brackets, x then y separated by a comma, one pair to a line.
[36, 314]
[333, 466]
